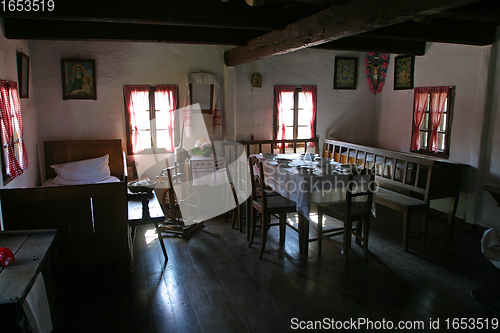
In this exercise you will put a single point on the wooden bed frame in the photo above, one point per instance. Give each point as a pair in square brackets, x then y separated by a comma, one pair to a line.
[91, 220]
[57, 152]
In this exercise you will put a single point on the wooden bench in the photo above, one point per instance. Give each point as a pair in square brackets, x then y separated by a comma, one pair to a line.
[407, 182]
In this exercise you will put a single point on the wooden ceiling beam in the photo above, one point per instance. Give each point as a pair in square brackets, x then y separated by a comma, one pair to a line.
[337, 22]
[99, 31]
[364, 44]
[439, 31]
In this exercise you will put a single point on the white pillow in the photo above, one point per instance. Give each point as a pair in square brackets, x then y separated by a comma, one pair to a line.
[82, 172]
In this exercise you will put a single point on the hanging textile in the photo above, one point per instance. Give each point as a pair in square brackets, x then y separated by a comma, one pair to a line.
[284, 97]
[203, 78]
[419, 106]
[309, 106]
[16, 156]
[437, 105]
[166, 103]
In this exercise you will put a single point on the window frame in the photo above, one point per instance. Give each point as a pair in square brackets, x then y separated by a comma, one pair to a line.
[447, 132]
[295, 116]
[152, 115]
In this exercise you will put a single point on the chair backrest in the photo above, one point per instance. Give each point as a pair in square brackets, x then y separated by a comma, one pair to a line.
[360, 188]
[257, 179]
[231, 184]
[169, 200]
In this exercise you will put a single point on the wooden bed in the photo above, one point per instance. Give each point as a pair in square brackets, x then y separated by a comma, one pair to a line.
[91, 219]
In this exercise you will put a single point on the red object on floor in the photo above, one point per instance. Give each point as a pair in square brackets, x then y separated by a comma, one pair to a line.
[6, 256]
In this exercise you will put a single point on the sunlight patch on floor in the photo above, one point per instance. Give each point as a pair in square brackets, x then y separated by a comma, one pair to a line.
[150, 235]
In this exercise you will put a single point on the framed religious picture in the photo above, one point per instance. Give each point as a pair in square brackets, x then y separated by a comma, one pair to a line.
[23, 74]
[78, 79]
[403, 72]
[345, 73]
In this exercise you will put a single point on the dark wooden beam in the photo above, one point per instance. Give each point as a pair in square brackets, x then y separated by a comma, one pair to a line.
[484, 11]
[363, 44]
[337, 22]
[439, 31]
[67, 30]
[196, 13]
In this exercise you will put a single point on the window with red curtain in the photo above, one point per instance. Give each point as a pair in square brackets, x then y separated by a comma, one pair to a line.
[295, 112]
[432, 116]
[150, 114]
[14, 152]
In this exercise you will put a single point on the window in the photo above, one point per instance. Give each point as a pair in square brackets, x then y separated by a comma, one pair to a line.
[432, 117]
[150, 114]
[14, 153]
[295, 113]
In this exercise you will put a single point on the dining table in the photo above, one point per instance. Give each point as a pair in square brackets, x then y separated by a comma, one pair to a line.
[305, 179]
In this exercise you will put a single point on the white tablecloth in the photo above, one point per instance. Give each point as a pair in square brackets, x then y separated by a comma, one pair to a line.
[324, 185]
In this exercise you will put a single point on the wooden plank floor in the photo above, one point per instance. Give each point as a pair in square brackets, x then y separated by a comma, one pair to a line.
[214, 283]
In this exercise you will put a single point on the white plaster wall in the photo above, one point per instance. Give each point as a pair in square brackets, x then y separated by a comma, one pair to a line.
[465, 67]
[8, 71]
[117, 64]
[342, 114]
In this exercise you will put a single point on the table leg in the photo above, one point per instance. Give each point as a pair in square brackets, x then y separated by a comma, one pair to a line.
[303, 234]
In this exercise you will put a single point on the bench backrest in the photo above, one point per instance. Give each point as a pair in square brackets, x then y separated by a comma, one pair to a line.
[396, 171]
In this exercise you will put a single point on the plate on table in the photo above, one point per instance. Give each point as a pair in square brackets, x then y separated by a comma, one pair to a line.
[323, 160]
[268, 156]
[282, 160]
[313, 156]
[306, 169]
[348, 168]
[143, 186]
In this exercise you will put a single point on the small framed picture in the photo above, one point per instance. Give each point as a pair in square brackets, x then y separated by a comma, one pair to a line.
[345, 73]
[78, 79]
[403, 72]
[23, 74]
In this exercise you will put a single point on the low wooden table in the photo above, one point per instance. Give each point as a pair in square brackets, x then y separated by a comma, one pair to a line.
[144, 209]
[32, 252]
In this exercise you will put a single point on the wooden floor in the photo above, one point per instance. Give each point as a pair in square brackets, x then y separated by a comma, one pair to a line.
[214, 283]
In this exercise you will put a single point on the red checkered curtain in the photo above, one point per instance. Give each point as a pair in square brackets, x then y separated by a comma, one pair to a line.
[137, 100]
[419, 105]
[284, 103]
[16, 157]
[309, 107]
[438, 102]
[166, 103]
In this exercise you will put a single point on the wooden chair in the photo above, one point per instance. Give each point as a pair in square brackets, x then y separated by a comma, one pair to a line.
[349, 211]
[267, 206]
[235, 211]
[175, 221]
